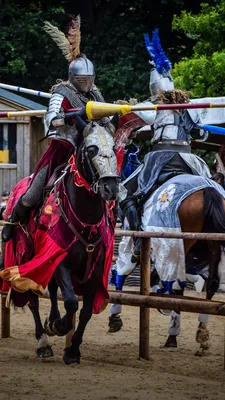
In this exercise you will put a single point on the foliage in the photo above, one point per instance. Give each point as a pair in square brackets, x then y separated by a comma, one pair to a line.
[203, 74]
[112, 36]
[25, 49]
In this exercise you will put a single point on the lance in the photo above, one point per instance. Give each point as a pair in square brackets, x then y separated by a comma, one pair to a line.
[98, 110]
[25, 90]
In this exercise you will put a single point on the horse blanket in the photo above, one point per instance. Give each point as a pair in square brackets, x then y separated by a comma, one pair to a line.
[161, 215]
[35, 251]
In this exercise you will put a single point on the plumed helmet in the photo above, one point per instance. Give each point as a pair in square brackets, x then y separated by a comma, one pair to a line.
[81, 70]
[160, 77]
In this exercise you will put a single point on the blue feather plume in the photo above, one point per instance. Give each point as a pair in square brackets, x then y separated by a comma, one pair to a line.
[155, 50]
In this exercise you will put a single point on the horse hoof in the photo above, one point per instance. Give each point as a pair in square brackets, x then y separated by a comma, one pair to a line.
[171, 341]
[45, 352]
[57, 330]
[201, 353]
[135, 258]
[69, 360]
[48, 328]
[115, 323]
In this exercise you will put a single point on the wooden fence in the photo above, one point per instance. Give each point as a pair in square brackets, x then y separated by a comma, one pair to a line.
[144, 300]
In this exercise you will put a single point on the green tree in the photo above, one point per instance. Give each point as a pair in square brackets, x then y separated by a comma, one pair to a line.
[27, 56]
[112, 36]
[203, 74]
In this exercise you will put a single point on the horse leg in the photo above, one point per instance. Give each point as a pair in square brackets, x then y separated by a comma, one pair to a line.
[54, 312]
[202, 334]
[43, 348]
[72, 354]
[221, 273]
[212, 283]
[61, 326]
[174, 325]
[115, 321]
[119, 275]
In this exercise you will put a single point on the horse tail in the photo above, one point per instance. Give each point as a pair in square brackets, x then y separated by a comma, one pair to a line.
[214, 213]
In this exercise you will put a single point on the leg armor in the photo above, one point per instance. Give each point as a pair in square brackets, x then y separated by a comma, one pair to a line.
[26, 203]
[129, 209]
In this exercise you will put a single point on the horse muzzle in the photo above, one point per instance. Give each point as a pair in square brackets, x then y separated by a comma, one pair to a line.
[109, 187]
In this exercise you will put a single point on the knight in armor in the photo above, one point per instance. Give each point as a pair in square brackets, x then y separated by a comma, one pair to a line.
[173, 130]
[74, 93]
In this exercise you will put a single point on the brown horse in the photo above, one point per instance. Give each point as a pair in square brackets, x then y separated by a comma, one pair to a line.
[204, 211]
[201, 211]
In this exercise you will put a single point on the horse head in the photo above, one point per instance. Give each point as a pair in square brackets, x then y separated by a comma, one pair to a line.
[96, 157]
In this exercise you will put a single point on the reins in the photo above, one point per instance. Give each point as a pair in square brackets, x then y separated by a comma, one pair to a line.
[89, 247]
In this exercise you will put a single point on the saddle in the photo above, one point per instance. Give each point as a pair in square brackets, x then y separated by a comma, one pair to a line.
[53, 178]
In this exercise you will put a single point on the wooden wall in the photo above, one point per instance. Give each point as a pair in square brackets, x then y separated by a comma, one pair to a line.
[8, 177]
[37, 148]
[10, 174]
[29, 151]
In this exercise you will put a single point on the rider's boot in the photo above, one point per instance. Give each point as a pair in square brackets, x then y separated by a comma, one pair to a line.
[25, 204]
[20, 213]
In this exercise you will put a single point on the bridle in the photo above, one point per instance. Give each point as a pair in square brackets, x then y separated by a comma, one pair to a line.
[89, 247]
[85, 157]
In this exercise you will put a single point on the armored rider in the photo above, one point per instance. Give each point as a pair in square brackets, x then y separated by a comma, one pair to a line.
[173, 130]
[74, 93]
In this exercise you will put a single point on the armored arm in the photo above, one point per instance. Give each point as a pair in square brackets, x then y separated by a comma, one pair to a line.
[56, 113]
[191, 118]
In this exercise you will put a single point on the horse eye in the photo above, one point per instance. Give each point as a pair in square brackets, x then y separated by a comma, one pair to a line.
[92, 151]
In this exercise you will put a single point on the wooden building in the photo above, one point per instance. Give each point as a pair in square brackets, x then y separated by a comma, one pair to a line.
[20, 148]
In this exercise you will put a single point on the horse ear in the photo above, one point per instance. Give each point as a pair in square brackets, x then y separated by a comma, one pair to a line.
[113, 124]
[80, 124]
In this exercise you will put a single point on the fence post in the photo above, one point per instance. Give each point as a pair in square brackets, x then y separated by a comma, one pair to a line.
[144, 290]
[5, 317]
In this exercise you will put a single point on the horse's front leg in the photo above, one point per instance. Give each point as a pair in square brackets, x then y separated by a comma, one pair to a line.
[43, 348]
[54, 312]
[72, 354]
[61, 326]
[174, 325]
[115, 320]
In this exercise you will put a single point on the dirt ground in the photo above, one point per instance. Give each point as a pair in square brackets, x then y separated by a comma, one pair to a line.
[110, 368]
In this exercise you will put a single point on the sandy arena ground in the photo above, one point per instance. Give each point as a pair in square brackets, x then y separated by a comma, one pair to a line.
[110, 368]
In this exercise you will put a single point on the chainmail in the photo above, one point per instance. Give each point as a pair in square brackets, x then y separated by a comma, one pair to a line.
[77, 100]
[34, 194]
